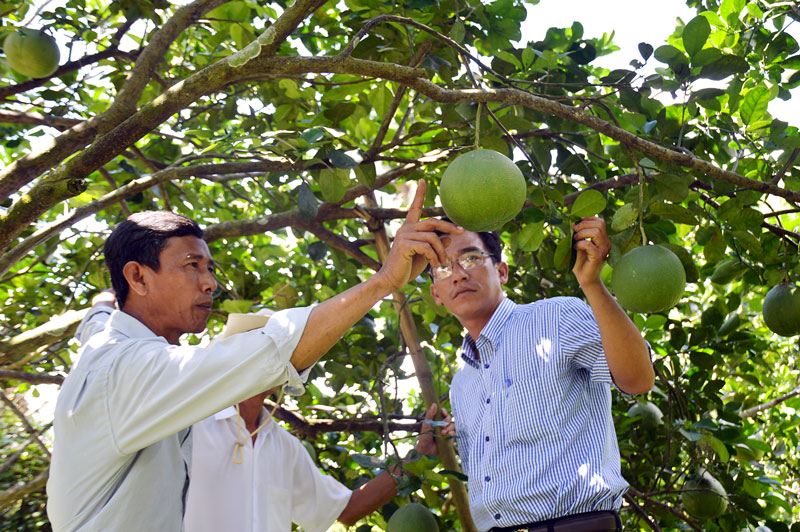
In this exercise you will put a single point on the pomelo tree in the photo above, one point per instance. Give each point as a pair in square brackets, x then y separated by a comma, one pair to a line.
[289, 130]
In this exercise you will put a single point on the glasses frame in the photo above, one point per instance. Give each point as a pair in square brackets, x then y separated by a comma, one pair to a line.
[441, 273]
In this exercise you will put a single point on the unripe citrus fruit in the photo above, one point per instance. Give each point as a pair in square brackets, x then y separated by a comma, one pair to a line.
[481, 190]
[781, 309]
[651, 415]
[704, 497]
[648, 279]
[32, 52]
[412, 517]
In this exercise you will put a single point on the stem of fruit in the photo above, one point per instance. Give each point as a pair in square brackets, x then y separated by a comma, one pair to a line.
[640, 173]
[478, 127]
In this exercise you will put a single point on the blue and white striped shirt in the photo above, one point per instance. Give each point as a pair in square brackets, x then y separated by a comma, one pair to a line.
[532, 409]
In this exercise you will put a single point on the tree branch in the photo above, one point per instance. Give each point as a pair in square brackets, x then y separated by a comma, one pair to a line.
[33, 378]
[58, 328]
[37, 119]
[750, 412]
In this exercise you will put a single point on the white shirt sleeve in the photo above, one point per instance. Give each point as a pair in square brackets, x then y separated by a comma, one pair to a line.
[155, 389]
[317, 500]
[94, 322]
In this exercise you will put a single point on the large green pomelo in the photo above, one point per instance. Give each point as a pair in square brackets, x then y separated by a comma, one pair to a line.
[781, 309]
[412, 517]
[481, 190]
[32, 53]
[648, 279]
[704, 497]
[651, 415]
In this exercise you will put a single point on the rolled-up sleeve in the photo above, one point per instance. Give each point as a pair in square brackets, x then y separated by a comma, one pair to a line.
[160, 388]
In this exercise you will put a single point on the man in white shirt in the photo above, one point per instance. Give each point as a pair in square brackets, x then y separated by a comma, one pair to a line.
[122, 423]
[271, 481]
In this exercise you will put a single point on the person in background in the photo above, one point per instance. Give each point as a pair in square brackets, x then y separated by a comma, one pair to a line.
[532, 402]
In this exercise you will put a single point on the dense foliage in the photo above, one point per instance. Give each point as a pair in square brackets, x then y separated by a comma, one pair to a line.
[290, 130]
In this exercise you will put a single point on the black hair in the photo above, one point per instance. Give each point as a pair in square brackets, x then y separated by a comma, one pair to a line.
[491, 241]
[141, 238]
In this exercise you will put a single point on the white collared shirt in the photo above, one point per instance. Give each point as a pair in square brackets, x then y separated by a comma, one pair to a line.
[275, 484]
[122, 446]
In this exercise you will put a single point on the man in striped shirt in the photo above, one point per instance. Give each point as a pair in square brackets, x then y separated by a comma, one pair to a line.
[532, 403]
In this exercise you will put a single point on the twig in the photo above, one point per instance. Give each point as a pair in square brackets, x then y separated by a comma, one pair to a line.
[28, 427]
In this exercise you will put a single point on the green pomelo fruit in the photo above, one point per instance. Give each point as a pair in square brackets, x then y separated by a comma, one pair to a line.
[704, 497]
[781, 309]
[32, 53]
[412, 517]
[481, 190]
[651, 415]
[648, 279]
[727, 271]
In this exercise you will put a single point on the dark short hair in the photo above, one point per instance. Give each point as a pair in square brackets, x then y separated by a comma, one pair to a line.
[141, 238]
[491, 241]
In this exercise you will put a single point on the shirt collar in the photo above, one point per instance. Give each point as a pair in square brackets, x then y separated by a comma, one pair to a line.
[491, 333]
[230, 412]
[129, 326]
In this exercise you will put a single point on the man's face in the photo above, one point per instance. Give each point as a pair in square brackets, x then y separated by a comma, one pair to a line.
[474, 293]
[179, 294]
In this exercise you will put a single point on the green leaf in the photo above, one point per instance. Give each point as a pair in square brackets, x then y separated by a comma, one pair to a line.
[290, 87]
[458, 31]
[706, 56]
[366, 174]
[239, 306]
[673, 212]
[670, 55]
[307, 202]
[727, 65]
[672, 187]
[714, 443]
[340, 159]
[754, 105]
[695, 35]
[645, 50]
[508, 57]
[588, 203]
[561, 258]
[531, 236]
[624, 217]
[330, 185]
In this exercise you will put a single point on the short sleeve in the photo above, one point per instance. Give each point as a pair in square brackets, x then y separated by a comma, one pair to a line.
[579, 338]
[317, 499]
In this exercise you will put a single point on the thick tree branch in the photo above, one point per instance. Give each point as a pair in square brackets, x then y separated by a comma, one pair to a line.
[15, 493]
[37, 119]
[33, 378]
[24, 170]
[750, 412]
[58, 328]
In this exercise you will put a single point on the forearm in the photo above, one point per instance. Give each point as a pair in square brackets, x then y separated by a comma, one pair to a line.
[369, 498]
[330, 319]
[626, 351]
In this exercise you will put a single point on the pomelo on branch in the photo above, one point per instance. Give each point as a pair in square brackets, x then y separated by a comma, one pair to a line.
[32, 53]
[781, 309]
[651, 415]
[482, 189]
[648, 279]
[412, 517]
[703, 496]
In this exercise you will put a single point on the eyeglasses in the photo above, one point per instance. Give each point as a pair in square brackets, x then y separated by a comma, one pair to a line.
[467, 261]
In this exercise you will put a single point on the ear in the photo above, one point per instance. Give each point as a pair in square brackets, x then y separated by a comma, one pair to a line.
[502, 272]
[435, 294]
[137, 276]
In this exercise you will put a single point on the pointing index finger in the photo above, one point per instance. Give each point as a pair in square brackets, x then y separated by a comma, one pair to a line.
[415, 211]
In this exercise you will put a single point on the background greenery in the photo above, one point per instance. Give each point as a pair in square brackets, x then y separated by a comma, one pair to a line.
[290, 130]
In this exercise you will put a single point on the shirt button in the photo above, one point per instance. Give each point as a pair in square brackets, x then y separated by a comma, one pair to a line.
[487, 438]
[486, 366]
[487, 478]
[497, 516]
[487, 401]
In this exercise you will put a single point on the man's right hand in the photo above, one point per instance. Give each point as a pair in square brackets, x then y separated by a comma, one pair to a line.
[415, 244]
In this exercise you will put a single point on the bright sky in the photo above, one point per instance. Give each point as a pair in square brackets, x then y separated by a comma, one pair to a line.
[633, 21]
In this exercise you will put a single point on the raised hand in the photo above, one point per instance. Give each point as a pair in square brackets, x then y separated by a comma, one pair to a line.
[593, 245]
[416, 244]
[426, 443]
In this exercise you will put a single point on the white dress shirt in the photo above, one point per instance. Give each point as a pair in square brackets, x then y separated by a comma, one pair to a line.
[122, 439]
[275, 484]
